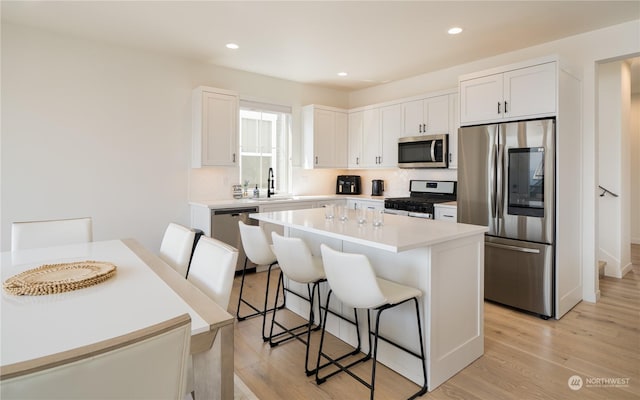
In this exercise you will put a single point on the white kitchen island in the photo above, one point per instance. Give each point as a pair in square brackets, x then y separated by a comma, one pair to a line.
[443, 259]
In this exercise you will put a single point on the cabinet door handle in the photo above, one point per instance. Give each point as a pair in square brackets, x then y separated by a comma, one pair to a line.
[316, 160]
[420, 128]
[505, 107]
[499, 107]
[234, 157]
[357, 160]
[424, 128]
[450, 157]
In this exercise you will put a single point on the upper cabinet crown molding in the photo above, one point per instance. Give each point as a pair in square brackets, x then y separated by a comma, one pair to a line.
[215, 114]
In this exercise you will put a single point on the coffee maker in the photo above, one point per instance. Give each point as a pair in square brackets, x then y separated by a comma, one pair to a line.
[377, 187]
[348, 184]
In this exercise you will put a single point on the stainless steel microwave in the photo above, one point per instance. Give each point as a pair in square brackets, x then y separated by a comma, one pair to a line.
[428, 151]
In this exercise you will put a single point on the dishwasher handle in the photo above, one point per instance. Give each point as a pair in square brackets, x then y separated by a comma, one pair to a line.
[235, 211]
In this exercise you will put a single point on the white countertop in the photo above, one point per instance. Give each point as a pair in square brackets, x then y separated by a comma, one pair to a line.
[399, 233]
[232, 203]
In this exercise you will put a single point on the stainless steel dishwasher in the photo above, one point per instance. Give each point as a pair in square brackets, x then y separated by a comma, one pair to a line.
[224, 227]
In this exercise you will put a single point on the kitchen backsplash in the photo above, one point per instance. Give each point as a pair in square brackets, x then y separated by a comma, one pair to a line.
[215, 183]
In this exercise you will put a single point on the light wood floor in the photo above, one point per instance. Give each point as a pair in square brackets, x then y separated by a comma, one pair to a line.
[525, 357]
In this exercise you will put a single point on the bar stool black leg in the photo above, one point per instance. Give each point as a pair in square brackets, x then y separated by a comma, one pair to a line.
[256, 310]
[336, 362]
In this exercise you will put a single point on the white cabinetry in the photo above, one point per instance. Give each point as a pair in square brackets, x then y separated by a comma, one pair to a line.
[325, 137]
[214, 127]
[425, 116]
[371, 153]
[445, 212]
[454, 124]
[354, 157]
[526, 92]
[391, 124]
[373, 137]
[355, 204]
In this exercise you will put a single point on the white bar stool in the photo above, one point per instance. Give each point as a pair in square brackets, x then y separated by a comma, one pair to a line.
[258, 250]
[299, 265]
[371, 293]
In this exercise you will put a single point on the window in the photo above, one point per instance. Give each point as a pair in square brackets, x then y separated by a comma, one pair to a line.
[265, 142]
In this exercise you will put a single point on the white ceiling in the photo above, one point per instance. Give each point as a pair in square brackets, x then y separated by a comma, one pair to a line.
[310, 42]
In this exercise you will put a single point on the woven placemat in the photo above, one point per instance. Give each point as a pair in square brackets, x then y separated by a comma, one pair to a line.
[59, 278]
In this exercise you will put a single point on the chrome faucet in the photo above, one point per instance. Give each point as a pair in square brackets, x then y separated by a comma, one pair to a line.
[270, 183]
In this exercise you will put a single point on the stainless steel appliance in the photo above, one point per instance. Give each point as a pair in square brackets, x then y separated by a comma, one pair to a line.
[377, 187]
[348, 184]
[427, 151]
[423, 195]
[224, 227]
[506, 181]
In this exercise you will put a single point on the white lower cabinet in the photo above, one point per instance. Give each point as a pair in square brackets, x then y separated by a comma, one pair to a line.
[445, 212]
[354, 204]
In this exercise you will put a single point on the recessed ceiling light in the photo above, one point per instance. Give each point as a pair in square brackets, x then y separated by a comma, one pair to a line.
[342, 74]
[454, 31]
[232, 46]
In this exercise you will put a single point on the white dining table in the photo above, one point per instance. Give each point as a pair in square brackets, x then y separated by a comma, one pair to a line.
[143, 292]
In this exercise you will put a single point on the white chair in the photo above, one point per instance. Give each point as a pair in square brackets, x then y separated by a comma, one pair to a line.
[299, 265]
[212, 269]
[34, 234]
[177, 246]
[343, 270]
[258, 251]
[146, 364]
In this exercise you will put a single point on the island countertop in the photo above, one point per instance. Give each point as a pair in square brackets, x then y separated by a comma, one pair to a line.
[398, 233]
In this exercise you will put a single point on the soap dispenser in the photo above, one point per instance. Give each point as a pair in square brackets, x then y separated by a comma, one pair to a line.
[256, 192]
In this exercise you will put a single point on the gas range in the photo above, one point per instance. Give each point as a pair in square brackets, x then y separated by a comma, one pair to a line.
[423, 195]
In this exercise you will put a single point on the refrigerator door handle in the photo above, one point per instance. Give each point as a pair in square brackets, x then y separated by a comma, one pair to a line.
[514, 248]
[500, 178]
[492, 180]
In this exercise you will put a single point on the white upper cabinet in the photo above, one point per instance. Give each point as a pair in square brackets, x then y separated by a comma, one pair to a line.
[425, 116]
[391, 126]
[354, 159]
[325, 137]
[373, 137]
[454, 124]
[371, 154]
[215, 127]
[526, 92]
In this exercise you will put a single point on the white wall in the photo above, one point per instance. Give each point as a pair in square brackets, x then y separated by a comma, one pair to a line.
[583, 52]
[91, 129]
[614, 100]
[635, 168]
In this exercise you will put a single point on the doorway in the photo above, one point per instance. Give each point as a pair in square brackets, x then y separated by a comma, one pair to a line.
[618, 164]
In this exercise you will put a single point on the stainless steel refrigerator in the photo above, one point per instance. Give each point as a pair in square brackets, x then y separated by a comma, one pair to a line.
[506, 181]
